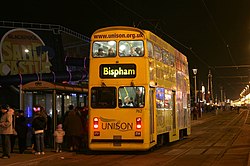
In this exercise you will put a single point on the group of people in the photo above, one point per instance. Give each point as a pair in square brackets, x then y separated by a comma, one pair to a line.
[13, 125]
[102, 53]
[75, 124]
[131, 102]
[134, 51]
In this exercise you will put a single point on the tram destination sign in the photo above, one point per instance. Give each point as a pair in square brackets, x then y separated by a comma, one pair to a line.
[117, 71]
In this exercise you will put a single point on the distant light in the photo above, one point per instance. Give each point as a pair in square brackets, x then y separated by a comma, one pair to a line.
[26, 50]
[29, 112]
[195, 71]
[203, 89]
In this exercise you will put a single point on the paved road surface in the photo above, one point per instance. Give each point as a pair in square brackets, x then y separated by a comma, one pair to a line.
[222, 139]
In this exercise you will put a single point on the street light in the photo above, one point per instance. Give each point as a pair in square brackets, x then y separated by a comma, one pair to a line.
[195, 91]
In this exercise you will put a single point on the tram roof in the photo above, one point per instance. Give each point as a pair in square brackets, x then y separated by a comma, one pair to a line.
[49, 86]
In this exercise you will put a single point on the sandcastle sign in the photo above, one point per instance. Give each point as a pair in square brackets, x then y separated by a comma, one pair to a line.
[20, 54]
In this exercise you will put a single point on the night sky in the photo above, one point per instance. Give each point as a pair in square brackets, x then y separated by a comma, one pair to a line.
[213, 34]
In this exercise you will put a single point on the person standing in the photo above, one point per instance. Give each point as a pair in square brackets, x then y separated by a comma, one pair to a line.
[73, 129]
[139, 98]
[84, 119]
[22, 130]
[6, 130]
[38, 125]
[65, 115]
[13, 136]
[59, 134]
[195, 113]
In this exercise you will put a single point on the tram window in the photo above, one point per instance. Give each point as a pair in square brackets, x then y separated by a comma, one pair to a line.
[157, 53]
[160, 97]
[171, 60]
[168, 99]
[131, 97]
[104, 49]
[131, 48]
[150, 49]
[164, 56]
[103, 97]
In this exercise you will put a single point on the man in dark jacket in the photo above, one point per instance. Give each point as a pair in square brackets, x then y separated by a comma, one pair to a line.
[22, 130]
[39, 124]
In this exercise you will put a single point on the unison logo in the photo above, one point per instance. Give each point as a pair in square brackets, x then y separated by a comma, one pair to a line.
[118, 71]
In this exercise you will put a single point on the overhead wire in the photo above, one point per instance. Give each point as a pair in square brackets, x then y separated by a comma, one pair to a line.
[103, 11]
[157, 27]
[178, 42]
[218, 31]
[222, 39]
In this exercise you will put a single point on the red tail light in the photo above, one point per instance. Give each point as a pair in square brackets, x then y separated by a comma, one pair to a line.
[138, 123]
[96, 122]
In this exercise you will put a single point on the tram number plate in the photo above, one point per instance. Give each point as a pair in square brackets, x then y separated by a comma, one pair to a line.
[117, 140]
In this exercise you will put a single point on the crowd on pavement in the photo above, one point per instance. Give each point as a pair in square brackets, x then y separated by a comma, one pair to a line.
[70, 133]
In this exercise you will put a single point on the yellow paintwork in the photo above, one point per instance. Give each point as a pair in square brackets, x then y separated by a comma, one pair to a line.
[163, 119]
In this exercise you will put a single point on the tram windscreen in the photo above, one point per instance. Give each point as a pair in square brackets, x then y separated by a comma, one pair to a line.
[103, 97]
[131, 96]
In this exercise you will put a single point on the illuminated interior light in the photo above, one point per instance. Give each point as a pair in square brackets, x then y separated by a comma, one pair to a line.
[111, 43]
[122, 47]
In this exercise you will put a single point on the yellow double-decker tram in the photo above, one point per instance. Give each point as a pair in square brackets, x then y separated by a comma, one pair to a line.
[138, 90]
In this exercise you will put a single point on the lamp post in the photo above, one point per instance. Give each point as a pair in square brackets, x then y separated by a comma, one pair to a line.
[195, 89]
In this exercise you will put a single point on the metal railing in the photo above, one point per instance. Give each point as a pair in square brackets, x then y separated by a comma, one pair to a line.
[45, 27]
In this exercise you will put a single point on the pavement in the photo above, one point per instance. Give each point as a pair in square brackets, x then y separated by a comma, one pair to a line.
[204, 117]
[28, 158]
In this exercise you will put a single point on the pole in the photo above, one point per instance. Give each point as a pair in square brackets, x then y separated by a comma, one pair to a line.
[41, 63]
[195, 91]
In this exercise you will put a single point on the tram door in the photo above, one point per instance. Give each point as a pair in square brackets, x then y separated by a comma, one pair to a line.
[152, 114]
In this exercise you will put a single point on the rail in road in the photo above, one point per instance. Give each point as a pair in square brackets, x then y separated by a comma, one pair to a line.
[219, 140]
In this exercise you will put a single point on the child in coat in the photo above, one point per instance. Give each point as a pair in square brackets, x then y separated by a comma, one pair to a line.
[59, 134]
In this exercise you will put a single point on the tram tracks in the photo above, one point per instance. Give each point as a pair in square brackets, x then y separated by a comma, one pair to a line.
[219, 137]
[238, 120]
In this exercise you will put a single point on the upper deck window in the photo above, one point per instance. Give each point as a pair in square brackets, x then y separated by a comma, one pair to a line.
[150, 49]
[104, 49]
[131, 48]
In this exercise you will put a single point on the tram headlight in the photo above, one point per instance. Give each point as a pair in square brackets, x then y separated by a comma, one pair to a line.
[96, 122]
[138, 122]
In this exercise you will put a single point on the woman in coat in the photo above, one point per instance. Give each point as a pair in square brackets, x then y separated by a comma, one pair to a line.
[6, 130]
